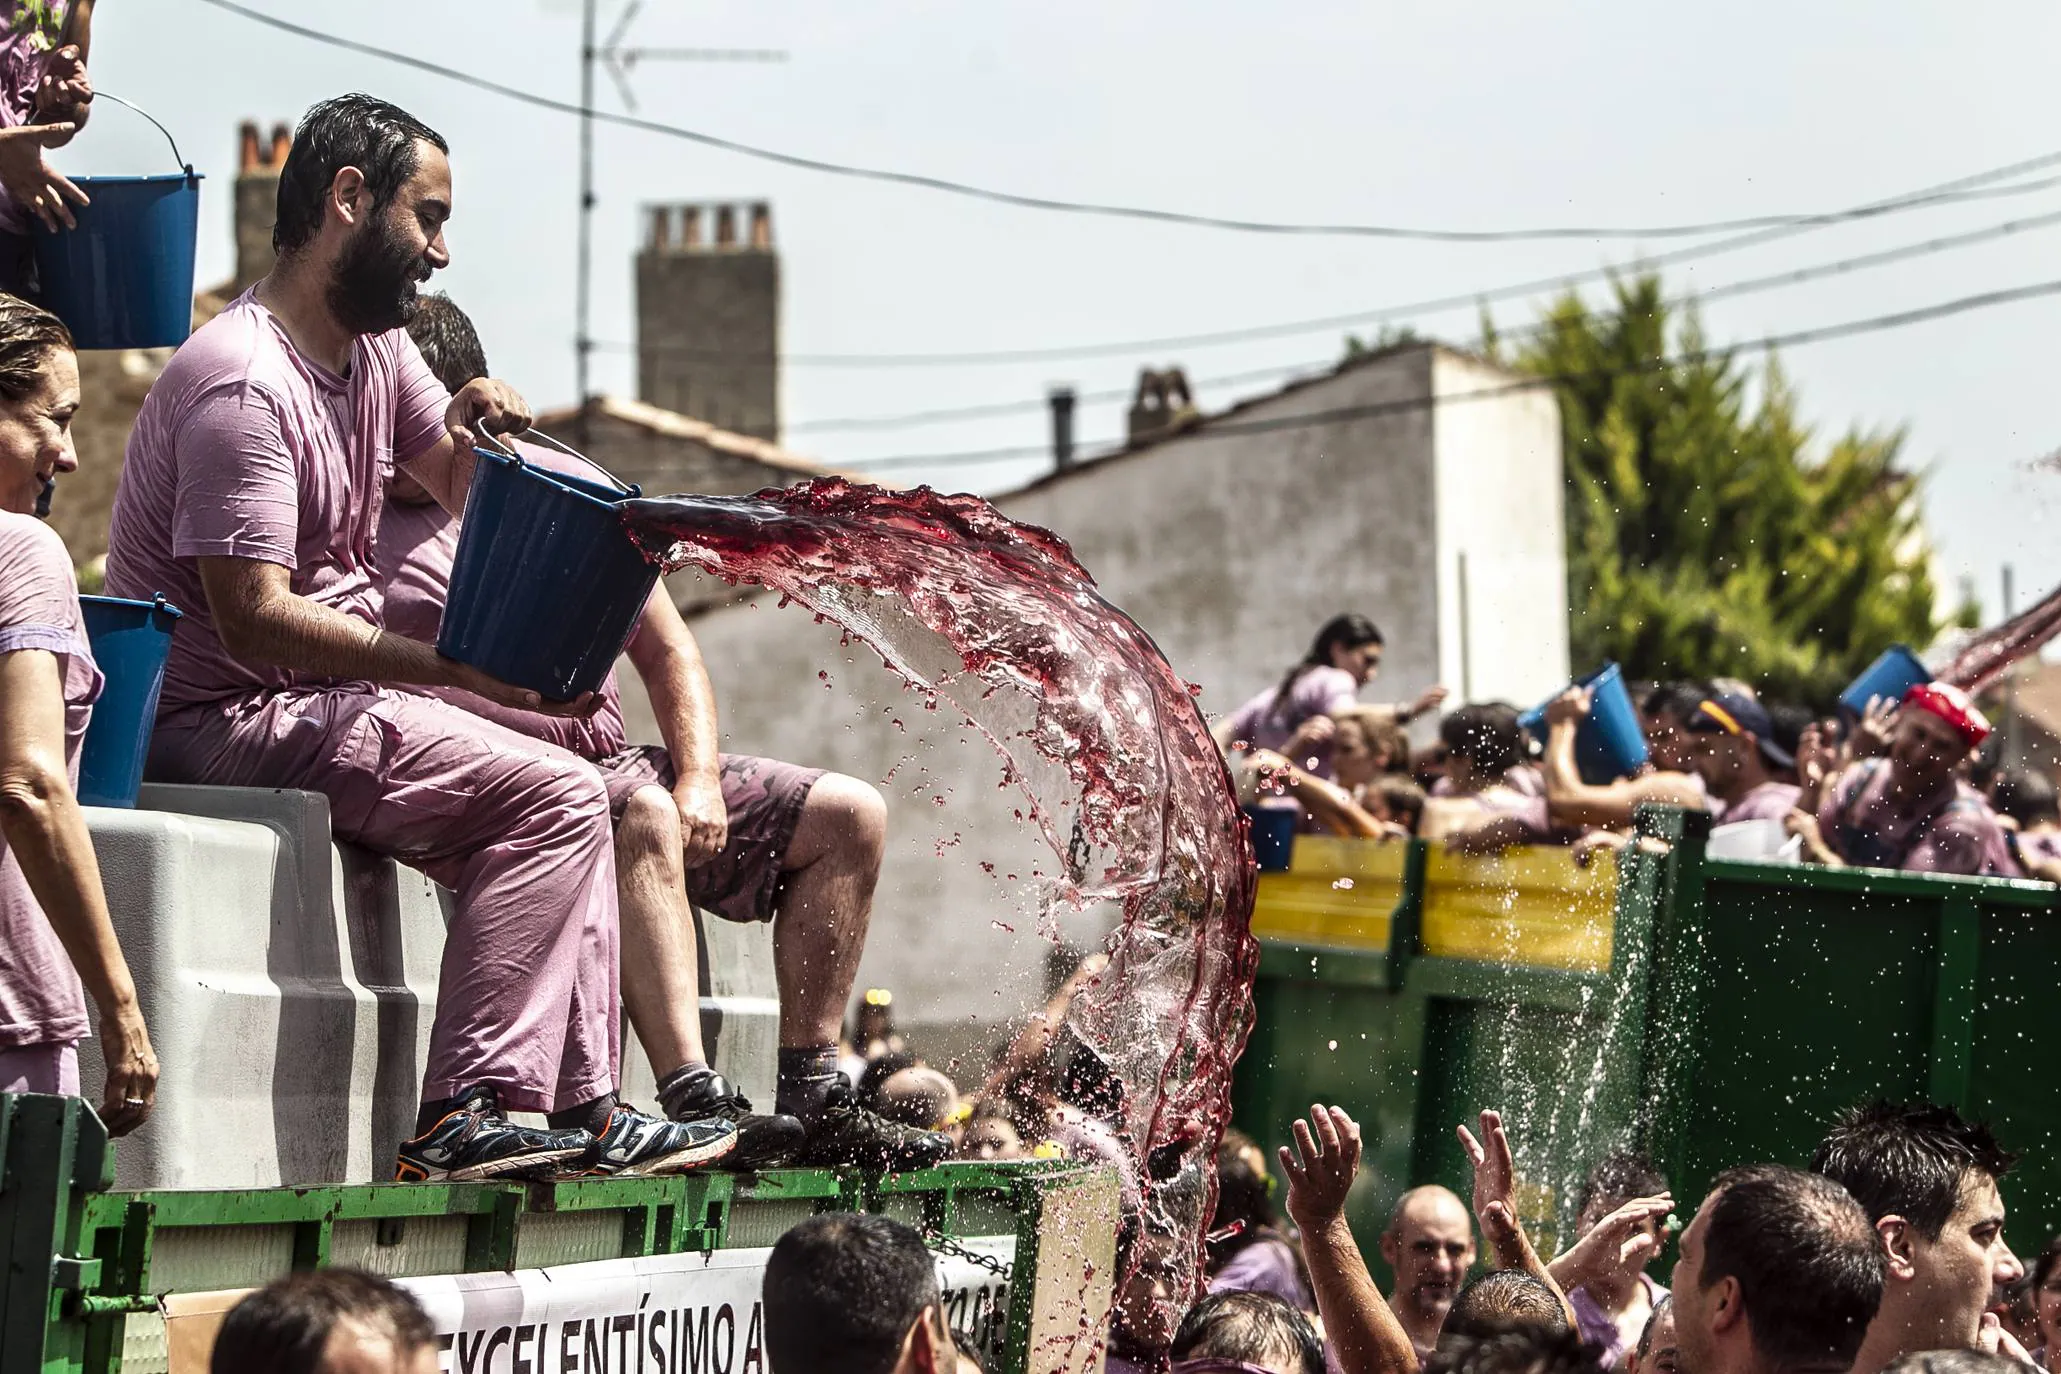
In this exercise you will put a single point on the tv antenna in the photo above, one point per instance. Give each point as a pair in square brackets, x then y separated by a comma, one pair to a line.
[621, 62]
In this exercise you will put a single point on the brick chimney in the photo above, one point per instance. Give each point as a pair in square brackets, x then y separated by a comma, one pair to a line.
[257, 200]
[708, 316]
[1161, 406]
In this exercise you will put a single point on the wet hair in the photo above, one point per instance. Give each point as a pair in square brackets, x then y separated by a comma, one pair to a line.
[1805, 1257]
[2026, 795]
[1909, 1161]
[1383, 733]
[1526, 1349]
[1347, 631]
[873, 1080]
[1677, 700]
[1503, 1300]
[1242, 1196]
[1486, 733]
[284, 1327]
[1619, 1177]
[1404, 800]
[841, 1291]
[28, 335]
[1953, 1362]
[1660, 1309]
[448, 342]
[1256, 1328]
[359, 131]
[1786, 722]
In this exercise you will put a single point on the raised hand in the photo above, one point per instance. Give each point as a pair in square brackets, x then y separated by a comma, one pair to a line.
[1625, 1240]
[1321, 1166]
[31, 181]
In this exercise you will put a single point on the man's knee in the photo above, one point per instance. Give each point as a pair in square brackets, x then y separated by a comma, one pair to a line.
[649, 830]
[848, 817]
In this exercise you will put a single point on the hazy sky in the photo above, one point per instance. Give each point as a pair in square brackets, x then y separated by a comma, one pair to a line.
[1470, 116]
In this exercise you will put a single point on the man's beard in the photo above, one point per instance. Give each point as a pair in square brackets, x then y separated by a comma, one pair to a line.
[374, 286]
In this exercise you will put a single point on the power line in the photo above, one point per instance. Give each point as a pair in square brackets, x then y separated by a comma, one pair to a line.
[1772, 281]
[1795, 339]
[1378, 315]
[1076, 207]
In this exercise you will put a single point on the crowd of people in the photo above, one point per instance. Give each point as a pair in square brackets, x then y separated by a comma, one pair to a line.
[1886, 1253]
[1912, 783]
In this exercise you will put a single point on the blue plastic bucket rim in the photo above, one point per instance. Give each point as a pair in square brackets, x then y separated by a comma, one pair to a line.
[159, 603]
[180, 177]
[1536, 716]
[564, 481]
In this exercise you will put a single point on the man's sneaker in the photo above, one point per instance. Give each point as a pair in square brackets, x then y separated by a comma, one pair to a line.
[848, 1134]
[634, 1145]
[476, 1142]
[763, 1142]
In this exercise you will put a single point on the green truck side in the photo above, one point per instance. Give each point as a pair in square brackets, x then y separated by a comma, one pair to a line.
[86, 1267]
[1709, 1012]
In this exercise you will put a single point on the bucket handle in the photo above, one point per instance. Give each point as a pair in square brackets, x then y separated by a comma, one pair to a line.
[104, 95]
[627, 489]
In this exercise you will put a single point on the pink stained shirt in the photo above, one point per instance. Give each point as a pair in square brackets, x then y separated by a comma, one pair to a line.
[1771, 801]
[30, 30]
[246, 449]
[418, 545]
[41, 1000]
[1318, 692]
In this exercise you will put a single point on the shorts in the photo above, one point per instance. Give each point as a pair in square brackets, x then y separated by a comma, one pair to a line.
[764, 799]
[48, 1068]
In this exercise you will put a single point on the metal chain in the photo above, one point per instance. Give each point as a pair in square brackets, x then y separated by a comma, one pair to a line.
[945, 1245]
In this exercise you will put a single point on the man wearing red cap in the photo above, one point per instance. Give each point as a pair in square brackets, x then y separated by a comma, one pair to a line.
[1910, 809]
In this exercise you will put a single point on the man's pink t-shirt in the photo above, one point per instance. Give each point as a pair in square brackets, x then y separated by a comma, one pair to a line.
[246, 449]
[418, 545]
[41, 1001]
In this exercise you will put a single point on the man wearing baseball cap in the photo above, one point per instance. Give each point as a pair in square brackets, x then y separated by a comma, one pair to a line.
[1910, 809]
[1736, 753]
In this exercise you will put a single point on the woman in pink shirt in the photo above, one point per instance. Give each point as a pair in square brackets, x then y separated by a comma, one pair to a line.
[1295, 717]
[54, 927]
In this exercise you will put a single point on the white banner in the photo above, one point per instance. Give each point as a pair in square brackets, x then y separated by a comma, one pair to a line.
[665, 1314]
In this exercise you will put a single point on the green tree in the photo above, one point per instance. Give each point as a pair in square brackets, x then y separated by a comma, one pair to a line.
[1705, 537]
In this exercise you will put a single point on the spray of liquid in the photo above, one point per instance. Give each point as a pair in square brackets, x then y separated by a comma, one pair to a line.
[1125, 784]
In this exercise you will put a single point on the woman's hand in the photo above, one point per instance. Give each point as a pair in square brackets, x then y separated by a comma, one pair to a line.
[131, 1090]
[1308, 735]
[31, 181]
[1430, 699]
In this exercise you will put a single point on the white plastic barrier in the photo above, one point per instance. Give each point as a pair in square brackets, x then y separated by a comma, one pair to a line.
[289, 983]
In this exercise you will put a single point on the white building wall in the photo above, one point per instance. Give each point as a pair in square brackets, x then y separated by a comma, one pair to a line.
[1229, 547]
[1502, 584]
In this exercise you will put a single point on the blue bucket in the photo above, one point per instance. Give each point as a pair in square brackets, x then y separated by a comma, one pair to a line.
[124, 277]
[131, 640]
[547, 584]
[1897, 671]
[1273, 835]
[1610, 743]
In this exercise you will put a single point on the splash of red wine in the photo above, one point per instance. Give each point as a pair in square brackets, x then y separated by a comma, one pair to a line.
[1126, 785]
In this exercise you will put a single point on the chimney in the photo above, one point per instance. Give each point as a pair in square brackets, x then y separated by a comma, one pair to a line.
[257, 199]
[1162, 405]
[708, 316]
[1061, 399]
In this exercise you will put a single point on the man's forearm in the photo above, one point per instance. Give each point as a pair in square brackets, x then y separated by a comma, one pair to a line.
[1363, 1332]
[292, 632]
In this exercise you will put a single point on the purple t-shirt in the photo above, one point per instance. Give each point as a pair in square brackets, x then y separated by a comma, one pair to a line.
[41, 1001]
[247, 449]
[1771, 801]
[1598, 1329]
[1318, 692]
[1265, 1266]
[29, 33]
[1952, 831]
[418, 544]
